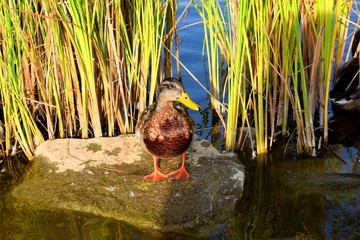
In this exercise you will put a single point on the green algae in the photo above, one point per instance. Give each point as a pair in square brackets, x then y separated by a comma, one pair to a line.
[94, 147]
[114, 152]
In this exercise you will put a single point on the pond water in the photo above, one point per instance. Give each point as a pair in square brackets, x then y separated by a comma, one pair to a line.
[285, 197]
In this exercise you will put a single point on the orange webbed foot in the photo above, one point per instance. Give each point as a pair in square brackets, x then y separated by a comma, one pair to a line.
[156, 176]
[179, 174]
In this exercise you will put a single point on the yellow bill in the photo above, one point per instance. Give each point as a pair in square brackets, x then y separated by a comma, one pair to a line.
[185, 99]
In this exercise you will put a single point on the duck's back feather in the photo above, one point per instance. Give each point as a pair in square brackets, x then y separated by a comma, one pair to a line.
[347, 82]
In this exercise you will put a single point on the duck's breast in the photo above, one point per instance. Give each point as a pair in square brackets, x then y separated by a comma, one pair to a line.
[168, 133]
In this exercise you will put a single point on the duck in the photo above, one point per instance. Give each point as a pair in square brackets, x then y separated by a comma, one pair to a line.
[345, 94]
[165, 128]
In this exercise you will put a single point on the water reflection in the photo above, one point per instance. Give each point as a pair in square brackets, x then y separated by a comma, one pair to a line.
[274, 206]
[311, 198]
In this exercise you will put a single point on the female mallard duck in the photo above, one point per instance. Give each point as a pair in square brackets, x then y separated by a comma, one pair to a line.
[165, 128]
[346, 91]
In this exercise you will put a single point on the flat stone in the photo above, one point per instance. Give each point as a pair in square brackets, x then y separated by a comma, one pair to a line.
[103, 176]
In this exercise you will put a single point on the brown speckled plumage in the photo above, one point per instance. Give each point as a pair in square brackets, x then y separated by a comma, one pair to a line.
[165, 128]
[168, 133]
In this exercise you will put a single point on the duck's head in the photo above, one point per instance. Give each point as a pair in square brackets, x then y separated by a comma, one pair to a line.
[172, 90]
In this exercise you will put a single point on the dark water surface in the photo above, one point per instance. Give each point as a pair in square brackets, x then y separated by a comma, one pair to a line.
[285, 196]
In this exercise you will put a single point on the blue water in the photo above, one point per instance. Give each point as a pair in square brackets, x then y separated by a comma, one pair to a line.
[191, 55]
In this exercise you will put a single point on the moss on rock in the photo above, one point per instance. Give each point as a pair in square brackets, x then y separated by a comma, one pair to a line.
[67, 176]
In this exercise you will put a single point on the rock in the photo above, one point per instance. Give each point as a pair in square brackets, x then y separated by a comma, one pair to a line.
[103, 176]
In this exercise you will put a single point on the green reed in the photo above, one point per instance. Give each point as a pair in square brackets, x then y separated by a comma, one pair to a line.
[278, 65]
[81, 70]
[71, 69]
[19, 124]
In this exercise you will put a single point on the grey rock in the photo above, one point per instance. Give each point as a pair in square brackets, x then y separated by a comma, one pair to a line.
[103, 176]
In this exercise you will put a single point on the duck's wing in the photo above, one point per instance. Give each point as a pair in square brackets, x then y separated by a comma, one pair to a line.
[144, 119]
[355, 94]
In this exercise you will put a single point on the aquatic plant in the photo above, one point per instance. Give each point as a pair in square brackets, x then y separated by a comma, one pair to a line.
[274, 60]
[71, 69]
[87, 70]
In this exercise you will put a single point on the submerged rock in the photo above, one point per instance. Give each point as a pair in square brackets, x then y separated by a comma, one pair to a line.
[103, 176]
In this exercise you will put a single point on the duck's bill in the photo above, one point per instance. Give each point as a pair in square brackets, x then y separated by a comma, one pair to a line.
[186, 100]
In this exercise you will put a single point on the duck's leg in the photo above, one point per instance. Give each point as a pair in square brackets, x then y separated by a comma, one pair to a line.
[181, 172]
[157, 175]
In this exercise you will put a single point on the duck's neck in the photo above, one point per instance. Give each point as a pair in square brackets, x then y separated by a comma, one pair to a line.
[162, 104]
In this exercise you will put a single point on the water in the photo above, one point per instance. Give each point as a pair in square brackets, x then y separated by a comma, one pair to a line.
[285, 196]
